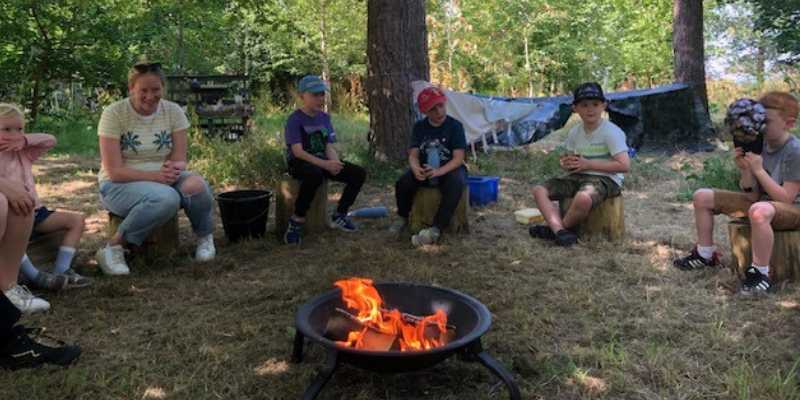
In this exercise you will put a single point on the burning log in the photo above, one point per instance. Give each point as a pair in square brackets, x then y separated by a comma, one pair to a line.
[344, 324]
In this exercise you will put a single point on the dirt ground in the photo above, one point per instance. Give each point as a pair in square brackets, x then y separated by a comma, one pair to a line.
[600, 320]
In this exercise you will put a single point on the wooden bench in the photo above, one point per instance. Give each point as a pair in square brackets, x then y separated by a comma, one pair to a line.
[162, 242]
[606, 220]
[317, 215]
[784, 263]
[426, 204]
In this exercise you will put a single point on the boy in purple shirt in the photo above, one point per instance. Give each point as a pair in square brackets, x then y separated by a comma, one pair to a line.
[309, 137]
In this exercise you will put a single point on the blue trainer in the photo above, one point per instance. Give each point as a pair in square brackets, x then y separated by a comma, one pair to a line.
[341, 221]
[294, 233]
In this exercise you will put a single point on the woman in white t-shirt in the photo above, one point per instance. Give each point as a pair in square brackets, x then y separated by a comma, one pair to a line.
[143, 176]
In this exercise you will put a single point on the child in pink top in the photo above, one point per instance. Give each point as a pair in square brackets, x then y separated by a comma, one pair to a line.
[18, 151]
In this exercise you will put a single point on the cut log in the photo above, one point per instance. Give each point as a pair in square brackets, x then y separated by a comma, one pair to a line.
[426, 204]
[607, 220]
[286, 195]
[785, 261]
[43, 250]
[162, 242]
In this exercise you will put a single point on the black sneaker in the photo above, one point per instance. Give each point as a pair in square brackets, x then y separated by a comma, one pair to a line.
[695, 261]
[294, 233]
[566, 238]
[542, 232]
[754, 282]
[30, 348]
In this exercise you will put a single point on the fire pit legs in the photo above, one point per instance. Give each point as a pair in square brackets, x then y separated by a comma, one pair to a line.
[323, 377]
[475, 352]
[297, 351]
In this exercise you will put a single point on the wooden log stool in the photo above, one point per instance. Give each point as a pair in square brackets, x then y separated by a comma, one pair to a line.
[162, 241]
[316, 216]
[44, 248]
[784, 264]
[426, 204]
[606, 220]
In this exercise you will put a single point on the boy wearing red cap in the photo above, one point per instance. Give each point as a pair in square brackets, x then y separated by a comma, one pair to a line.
[435, 158]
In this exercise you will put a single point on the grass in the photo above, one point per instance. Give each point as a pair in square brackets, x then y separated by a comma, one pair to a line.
[599, 321]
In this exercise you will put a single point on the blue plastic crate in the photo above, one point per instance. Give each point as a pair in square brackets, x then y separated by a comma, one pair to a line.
[482, 190]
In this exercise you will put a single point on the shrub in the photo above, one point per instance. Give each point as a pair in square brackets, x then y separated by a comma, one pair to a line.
[718, 172]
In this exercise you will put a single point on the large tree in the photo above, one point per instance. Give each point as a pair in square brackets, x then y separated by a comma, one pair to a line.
[689, 65]
[397, 54]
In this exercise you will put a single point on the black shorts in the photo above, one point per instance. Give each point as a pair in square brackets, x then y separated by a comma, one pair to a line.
[39, 215]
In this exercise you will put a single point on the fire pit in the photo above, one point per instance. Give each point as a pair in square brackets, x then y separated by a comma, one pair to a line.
[469, 318]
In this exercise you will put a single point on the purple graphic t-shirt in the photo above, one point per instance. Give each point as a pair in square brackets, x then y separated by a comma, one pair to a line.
[312, 132]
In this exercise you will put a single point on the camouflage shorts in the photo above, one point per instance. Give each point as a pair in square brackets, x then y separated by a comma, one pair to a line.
[599, 187]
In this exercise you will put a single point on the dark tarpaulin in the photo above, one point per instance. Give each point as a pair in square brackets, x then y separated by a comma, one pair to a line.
[655, 119]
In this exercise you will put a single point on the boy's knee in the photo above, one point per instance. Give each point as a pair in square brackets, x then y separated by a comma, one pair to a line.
[539, 190]
[761, 213]
[583, 199]
[703, 198]
[79, 221]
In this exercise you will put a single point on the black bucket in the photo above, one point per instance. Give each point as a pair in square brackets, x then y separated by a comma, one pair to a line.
[244, 213]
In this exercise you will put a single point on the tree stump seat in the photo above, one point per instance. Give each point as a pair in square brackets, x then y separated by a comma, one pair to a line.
[286, 195]
[784, 265]
[44, 248]
[162, 241]
[606, 220]
[426, 204]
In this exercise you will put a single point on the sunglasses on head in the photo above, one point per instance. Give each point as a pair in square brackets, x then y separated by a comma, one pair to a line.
[143, 68]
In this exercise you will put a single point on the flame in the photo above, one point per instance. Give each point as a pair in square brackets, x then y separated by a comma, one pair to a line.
[360, 295]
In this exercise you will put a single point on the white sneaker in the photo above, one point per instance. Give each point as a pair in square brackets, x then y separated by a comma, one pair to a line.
[25, 301]
[111, 260]
[205, 249]
[426, 237]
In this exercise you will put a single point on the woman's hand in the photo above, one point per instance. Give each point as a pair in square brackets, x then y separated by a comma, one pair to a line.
[168, 175]
[12, 142]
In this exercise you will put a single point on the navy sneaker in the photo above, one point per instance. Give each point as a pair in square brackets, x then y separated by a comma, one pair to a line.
[755, 282]
[28, 348]
[294, 233]
[566, 238]
[542, 232]
[342, 222]
[695, 261]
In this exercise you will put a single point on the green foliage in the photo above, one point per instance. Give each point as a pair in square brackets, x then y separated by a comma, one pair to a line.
[778, 20]
[259, 159]
[646, 172]
[719, 172]
[76, 134]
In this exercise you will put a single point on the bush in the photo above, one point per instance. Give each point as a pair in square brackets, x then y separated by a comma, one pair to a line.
[76, 133]
[718, 172]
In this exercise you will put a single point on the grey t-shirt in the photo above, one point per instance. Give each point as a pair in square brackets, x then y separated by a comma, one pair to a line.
[606, 141]
[782, 164]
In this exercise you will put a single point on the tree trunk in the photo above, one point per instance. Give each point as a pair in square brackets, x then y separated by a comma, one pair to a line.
[689, 58]
[397, 54]
[323, 49]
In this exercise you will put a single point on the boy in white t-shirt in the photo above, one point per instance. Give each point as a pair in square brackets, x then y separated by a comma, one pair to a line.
[595, 158]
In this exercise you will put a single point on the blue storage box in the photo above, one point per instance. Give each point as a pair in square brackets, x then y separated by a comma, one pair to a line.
[482, 189]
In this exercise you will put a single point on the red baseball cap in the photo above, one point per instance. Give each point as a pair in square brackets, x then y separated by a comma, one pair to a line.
[429, 97]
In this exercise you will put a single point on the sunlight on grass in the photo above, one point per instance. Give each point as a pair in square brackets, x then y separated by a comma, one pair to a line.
[272, 367]
[154, 392]
[589, 384]
[788, 304]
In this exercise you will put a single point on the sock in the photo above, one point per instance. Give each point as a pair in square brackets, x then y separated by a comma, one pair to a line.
[764, 270]
[706, 252]
[28, 269]
[64, 259]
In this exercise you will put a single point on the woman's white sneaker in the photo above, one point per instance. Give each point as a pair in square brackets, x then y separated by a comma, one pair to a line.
[25, 301]
[111, 260]
[205, 249]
